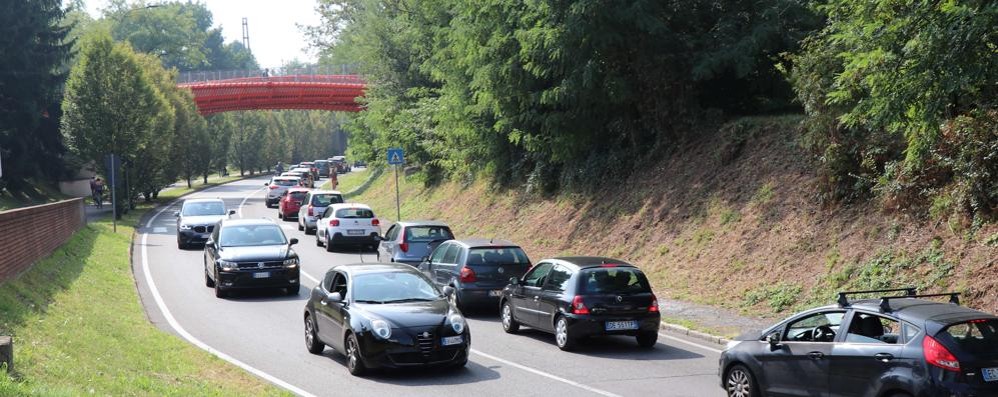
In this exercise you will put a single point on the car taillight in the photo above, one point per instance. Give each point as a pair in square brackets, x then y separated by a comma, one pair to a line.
[404, 247]
[334, 222]
[578, 306]
[375, 222]
[310, 210]
[272, 187]
[937, 354]
[467, 275]
[653, 308]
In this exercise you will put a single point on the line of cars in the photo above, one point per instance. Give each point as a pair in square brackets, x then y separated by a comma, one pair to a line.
[407, 310]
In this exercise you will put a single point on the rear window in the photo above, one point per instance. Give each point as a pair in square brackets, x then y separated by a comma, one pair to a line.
[976, 336]
[427, 233]
[285, 182]
[497, 256]
[298, 196]
[614, 280]
[323, 200]
[347, 213]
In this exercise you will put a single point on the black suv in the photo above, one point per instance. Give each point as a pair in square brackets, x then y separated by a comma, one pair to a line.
[250, 253]
[896, 345]
[578, 297]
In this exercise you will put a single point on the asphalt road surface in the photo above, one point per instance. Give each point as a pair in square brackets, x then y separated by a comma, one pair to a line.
[262, 331]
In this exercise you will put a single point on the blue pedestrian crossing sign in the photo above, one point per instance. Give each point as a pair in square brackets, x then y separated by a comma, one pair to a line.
[395, 156]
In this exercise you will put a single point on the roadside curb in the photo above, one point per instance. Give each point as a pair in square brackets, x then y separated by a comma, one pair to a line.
[679, 329]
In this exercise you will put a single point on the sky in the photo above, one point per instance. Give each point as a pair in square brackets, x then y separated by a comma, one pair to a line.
[274, 36]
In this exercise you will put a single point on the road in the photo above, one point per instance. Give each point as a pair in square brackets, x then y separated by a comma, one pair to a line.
[262, 332]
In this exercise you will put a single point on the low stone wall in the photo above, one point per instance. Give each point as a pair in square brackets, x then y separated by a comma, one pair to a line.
[31, 233]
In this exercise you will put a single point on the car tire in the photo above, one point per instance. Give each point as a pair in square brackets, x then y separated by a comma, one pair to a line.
[300, 227]
[329, 244]
[739, 382]
[207, 280]
[180, 243]
[318, 241]
[309, 230]
[647, 340]
[219, 292]
[509, 324]
[354, 363]
[312, 342]
[280, 215]
[454, 300]
[562, 335]
[292, 290]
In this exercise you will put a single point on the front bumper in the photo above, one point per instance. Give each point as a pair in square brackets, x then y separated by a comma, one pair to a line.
[584, 325]
[405, 350]
[251, 278]
[191, 237]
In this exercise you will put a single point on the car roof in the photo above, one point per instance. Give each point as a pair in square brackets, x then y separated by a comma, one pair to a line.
[321, 160]
[307, 162]
[373, 267]
[484, 242]
[296, 189]
[288, 178]
[918, 310]
[300, 169]
[349, 205]
[314, 192]
[421, 223]
[583, 262]
[248, 221]
[203, 200]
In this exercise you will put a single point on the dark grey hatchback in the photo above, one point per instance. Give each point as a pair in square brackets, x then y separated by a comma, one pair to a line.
[477, 269]
[899, 345]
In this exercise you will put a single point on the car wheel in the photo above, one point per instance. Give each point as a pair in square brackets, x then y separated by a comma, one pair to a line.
[280, 215]
[312, 342]
[329, 244]
[354, 363]
[562, 335]
[292, 290]
[207, 280]
[300, 227]
[740, 383]
[454, 300]
[309, 230]
[219, 292]
[509, 324]
[180, 243]
[647, 340]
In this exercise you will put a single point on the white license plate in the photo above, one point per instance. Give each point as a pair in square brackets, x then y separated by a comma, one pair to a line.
[990, 374]
[205, 235]
[621, 325]
[355, 232]
[495, 292]
[451, 340]
[261, 275]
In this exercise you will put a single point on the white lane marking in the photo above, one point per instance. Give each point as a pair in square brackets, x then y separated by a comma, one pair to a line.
[314, 280]
[545, 374]
[680, 340]
[247, 198]
[190, 338]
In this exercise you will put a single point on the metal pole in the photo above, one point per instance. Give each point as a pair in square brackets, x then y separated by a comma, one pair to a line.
[398, 205]
[114, 199]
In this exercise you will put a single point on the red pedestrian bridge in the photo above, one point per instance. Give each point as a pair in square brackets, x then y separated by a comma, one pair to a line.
[300, 91]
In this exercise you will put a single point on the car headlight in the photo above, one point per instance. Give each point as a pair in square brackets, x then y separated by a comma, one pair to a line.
[381, 328]
[185, 227]
[456, 322]
[291, 263]
[228, 266]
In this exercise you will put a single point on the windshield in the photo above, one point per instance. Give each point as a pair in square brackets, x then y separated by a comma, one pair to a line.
[614, 280]
[497, 256]
[393, 287]
[418, 234]
[298, 196]
[251, 235]
[285, 182]
[978, 337]
[204, 208]
[350, 213]
[323, 200]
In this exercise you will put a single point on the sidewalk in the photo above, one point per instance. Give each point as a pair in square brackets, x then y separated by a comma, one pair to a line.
[93, 212]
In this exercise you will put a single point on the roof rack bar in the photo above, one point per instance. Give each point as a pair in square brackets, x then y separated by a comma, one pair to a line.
[843, 301]
[954, 298]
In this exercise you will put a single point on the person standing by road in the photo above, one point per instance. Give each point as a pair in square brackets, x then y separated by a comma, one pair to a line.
[99, 192]
[93, 191]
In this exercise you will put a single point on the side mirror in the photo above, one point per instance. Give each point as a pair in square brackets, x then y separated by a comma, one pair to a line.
[293, 241]
[266, 184]
[426, 259]
[333, 297]
[514, 281]
[773, 339]
[448, 291]
[379, 238]
[176, 214]
[210, 243]
[232, 212]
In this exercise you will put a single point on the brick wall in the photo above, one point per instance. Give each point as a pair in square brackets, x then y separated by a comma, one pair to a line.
[31, 233]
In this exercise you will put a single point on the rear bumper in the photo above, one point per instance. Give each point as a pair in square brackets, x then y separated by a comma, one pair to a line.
[339, 238]
[593, 325]
[479, 296]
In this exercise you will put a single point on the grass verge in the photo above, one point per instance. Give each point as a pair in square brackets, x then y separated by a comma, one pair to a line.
[32, 194]
[79, 328]
[349, 181]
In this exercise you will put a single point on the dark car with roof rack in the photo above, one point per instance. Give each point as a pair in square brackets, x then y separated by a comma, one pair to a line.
[477, 269]
[896, 345]
[580, 297]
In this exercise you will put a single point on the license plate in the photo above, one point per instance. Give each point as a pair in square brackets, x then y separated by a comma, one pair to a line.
[495, 292]
[621, 325]
[451, 340]
[261, 275]
[990, 374]
[205, 235]
[355, 232]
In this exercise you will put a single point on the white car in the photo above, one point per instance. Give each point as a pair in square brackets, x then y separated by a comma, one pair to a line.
[348, 224]
[278, 186]
[314, 204]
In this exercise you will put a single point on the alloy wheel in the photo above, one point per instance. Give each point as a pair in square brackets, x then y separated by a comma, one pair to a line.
[739, 383]
[507, 316]
[309, 332]
[561, 332]
[352, 355]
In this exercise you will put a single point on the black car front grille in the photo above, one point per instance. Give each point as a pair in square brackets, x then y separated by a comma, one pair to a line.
[421, 358]
[425, 341]
[204, 229]
[256, 265]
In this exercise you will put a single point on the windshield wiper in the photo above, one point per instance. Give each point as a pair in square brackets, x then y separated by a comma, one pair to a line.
[410, 300]
[368, 301]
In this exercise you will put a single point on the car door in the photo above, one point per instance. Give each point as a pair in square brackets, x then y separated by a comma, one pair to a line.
[527, 293]
[870, 351]
[303, 208]
[321, 224]
[338, 311]
[323, 316]
[799, 365]
[211, 253]
[429, 267]
[387, 246]
[446, 270]
[552, 295]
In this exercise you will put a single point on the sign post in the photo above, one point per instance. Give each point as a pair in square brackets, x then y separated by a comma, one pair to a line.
[396, 157]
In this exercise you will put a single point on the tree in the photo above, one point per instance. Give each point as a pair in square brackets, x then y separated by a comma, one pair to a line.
[35, 49]
[109, 105]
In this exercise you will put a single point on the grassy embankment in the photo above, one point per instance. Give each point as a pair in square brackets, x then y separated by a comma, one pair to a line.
[34, 194]
[79, 328]
[349, 181]
[732, 220]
